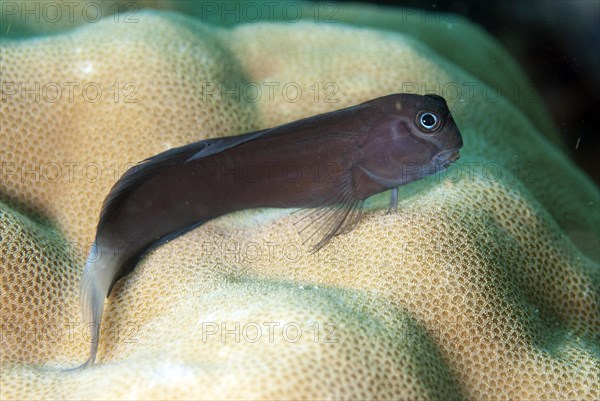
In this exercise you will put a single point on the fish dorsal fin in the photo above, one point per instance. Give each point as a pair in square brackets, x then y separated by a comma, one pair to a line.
[338, 212]
[156, 164]
[142, 172]
[217, 145]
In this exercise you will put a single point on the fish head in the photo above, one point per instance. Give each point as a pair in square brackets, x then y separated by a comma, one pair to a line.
[413, 136]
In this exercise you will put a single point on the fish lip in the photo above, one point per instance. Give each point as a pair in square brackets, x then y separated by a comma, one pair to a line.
[446, 157]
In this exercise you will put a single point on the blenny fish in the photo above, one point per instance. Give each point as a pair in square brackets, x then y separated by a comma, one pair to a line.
[326, 165]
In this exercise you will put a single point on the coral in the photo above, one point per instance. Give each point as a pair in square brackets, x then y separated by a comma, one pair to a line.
[484, 284]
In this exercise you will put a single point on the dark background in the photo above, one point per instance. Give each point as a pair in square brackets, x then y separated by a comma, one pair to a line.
[557, 43]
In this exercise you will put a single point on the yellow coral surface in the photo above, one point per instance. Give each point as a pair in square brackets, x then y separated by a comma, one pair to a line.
[484, 284]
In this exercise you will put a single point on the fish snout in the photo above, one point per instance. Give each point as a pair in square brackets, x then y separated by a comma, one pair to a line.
[447, 157]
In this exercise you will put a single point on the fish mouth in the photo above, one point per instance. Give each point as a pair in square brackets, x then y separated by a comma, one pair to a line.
[447, 157]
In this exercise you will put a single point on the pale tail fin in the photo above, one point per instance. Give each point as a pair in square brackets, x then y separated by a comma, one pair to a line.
[96, 280]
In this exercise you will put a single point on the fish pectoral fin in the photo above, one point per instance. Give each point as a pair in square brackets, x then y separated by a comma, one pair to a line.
[386, 182]
[339, 212]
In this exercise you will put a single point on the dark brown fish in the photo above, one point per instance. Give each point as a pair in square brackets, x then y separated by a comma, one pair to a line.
[327, 164]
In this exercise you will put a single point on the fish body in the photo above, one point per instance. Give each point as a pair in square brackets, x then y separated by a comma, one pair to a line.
[326, 164]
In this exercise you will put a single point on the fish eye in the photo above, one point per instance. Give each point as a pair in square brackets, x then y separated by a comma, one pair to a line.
[428, 121]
